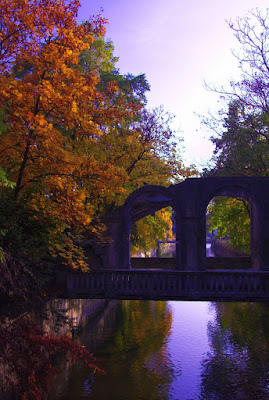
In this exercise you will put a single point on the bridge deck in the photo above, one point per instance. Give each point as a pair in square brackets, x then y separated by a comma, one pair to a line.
[218, 285]
[241, 262]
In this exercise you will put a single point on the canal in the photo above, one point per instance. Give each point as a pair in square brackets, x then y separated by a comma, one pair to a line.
[175, 350]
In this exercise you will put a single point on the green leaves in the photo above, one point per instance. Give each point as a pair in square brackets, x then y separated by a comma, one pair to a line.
[4, 181]
[99, 58]
[242, 147]
[231, 218]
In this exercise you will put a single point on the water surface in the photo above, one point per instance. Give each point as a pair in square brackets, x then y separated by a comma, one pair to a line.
[176, 350]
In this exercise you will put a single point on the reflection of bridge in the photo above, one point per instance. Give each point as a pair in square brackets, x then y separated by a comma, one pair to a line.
[169, 285]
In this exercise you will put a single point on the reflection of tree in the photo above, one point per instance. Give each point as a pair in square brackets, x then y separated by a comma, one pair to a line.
[138, 354]
[238, 365]
[145, 329]
[135, 357]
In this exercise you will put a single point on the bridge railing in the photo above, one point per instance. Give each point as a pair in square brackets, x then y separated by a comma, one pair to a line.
[248, 285]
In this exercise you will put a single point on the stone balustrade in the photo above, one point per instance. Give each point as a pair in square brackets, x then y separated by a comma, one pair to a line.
[173, 285]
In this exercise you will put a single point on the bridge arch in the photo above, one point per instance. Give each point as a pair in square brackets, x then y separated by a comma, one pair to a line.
[189, 201]
[256, 215]
[195, 194]
[142, 202]
[146, 200]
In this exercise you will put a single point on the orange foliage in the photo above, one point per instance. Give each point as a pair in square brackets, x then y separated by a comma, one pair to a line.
[74, 141]
[52, 111]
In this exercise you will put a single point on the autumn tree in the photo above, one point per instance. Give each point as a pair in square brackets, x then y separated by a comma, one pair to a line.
[52, 113]
[147, 150]
[76, 137]
[75, 140]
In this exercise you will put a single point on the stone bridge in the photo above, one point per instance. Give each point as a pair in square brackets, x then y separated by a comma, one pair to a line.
[168, 285]
[189, 201]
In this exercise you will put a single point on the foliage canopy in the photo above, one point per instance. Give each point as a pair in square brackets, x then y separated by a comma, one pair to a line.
[76, 138]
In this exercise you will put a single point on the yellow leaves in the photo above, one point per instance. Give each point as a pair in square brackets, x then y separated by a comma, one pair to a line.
[41, 121]
[151, 229]
[29, 28]
[74, 107]
[63, 246]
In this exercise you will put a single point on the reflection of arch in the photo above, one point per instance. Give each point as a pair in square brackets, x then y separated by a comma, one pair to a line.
[142, 202]
[255, 216]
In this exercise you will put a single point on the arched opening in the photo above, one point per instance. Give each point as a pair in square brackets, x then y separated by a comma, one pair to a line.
[144, 202]
[153, 240]
[228, 233]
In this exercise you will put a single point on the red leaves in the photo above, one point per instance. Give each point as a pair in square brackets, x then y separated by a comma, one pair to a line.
[29, 358]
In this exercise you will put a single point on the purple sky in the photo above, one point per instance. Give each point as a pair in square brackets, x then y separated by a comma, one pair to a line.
[177, 44]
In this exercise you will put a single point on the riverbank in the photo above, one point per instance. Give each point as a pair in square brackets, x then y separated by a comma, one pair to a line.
[36, 344]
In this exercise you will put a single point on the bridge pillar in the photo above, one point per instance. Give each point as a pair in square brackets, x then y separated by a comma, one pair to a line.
[265, 243]
[125, 242]
[191, 224]
[116, 251]
[190, 241]
[110, 252]
[177, 232]
[255, 236]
